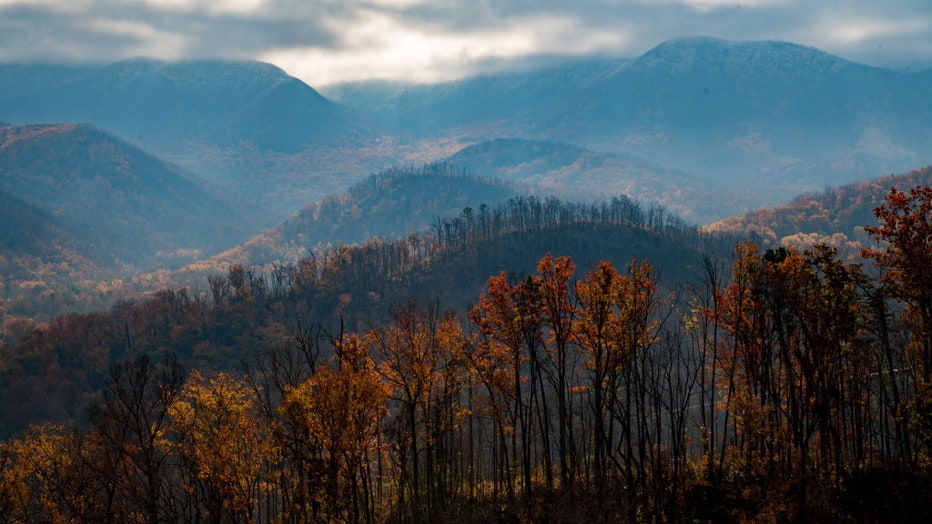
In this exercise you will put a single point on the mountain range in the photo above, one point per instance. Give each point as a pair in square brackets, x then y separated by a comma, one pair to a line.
[772, 117]
[238, 125]
[385, 206]
[143, 166]
[557, 168]
[161, 105]
[537, 228]
[129, 205]
[757, 122]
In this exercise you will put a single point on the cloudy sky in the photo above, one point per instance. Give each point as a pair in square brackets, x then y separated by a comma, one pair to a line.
[328, 41]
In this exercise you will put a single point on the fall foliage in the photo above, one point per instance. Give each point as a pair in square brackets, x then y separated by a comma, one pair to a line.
[790, 386]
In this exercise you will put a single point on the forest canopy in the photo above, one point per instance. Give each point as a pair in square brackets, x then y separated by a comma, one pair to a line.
[778, 384]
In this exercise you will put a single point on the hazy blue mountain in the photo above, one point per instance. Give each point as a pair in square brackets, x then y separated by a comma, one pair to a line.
[46, 267]
[267, 138]
[568, 171]
[28, 231]
[773, 116]
[155, 103]
[124, 202]
[386, 206]
[704, 97]
[484, 102]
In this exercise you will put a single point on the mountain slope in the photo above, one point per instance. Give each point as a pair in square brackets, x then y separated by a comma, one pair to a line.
[128, 205]
[836, 216]
[789, 101]
[155, 103]
[388, 205]
[27, 229]
[573, 172]
[248, 310]
[773, 117]
[472, 104]
[45, 267]
[266, 138]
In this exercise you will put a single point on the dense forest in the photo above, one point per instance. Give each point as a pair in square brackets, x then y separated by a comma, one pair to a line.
[766, 384]
[835, 216]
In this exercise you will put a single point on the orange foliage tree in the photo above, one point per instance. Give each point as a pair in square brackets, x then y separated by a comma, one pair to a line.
[906, 230]
[342, 407]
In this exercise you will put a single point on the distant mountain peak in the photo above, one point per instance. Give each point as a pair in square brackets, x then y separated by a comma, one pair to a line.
[699, 51]
[168, 106]
[200, 74]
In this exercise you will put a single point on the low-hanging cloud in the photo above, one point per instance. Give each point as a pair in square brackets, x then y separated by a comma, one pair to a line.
[326, 41]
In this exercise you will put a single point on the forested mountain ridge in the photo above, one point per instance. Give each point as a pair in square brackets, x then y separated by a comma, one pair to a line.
[26, 229]
[383, 207]
[836, 216]
[45, 268]
[159, 104]
[219, 323]
[131, 205]
[778, 384]
[572, 172]
[246, 127]
[769, 120]
[86, 211]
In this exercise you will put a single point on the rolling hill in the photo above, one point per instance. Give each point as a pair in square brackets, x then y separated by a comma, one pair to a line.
[133, 209]
[385, 206]
[81, 211]
[45, 267]
[835, 216]
[572, 172]
[265, 137]
[248, 309]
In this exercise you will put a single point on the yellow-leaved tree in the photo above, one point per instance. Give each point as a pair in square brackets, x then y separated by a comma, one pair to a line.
[221, 446]
[341, 407]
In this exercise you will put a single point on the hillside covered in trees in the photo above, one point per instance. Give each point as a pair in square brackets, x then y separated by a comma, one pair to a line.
[225, 319]
[573, 172]
[81, 212]
[387, 205]
[679, 383]
[835, 216]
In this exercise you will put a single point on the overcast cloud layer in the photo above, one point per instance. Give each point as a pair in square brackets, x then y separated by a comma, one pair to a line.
[328, 41]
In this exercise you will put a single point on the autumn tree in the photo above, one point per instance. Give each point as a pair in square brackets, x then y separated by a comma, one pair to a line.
[615, 330]
[558, 311]
[341, 407]
[215, 433]
[905, 229]
[294, 456]
[419, 354]
[130, 420]
[45, 477]
[598, 334]
[509, 319]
